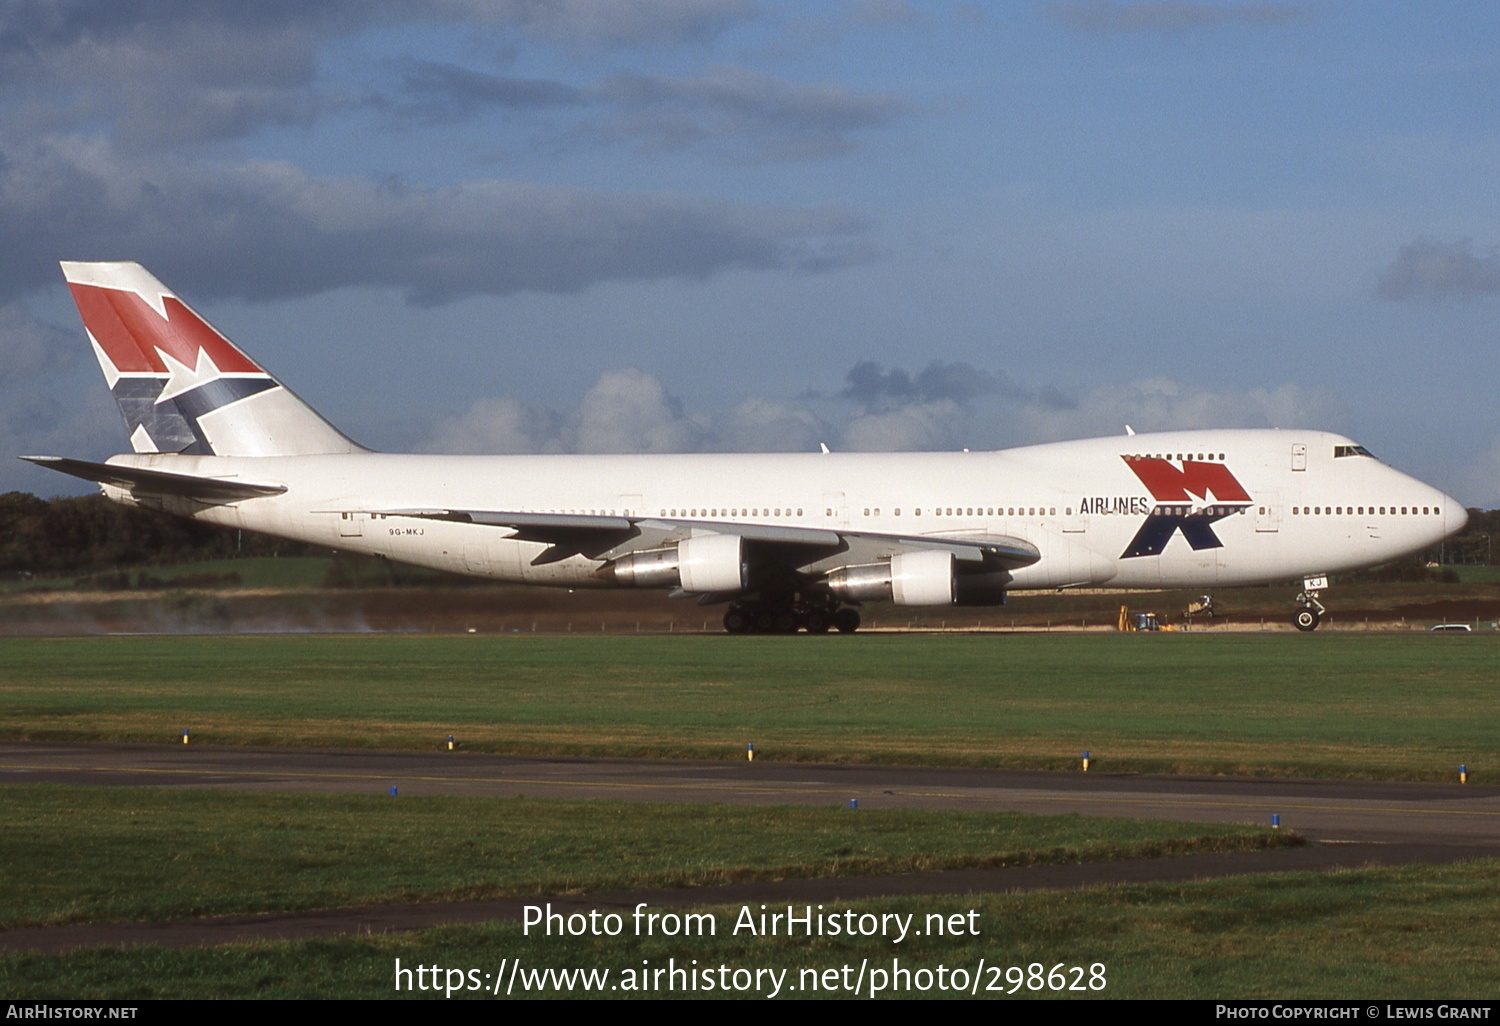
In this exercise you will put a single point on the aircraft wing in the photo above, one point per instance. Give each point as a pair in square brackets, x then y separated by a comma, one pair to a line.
[210, 490]
[804, 548]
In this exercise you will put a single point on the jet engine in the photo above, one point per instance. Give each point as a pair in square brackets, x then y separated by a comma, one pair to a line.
[923, 578]
[701, 564]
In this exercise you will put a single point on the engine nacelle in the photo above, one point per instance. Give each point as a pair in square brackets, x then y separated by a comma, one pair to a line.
[712, 562]
[702, 564]
[923, 578]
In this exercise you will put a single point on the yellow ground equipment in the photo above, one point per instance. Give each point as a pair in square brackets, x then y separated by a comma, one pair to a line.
[1142, 621]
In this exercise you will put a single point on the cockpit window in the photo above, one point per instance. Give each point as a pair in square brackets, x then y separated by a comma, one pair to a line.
[1351, 450]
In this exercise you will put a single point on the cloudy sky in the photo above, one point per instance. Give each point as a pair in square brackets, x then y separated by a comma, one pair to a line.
[657, 225]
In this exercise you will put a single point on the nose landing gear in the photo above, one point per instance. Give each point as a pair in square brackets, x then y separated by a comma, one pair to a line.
[1310, 611]
[1307, 618]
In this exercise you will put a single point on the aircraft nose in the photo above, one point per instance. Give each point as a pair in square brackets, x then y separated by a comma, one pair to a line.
[1455, 517]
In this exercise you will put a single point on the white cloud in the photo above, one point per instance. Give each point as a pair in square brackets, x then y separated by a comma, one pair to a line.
[1164, 404]
[497, 424]
[768, 425]
[626, 410]
[630, 411]
[939, 424]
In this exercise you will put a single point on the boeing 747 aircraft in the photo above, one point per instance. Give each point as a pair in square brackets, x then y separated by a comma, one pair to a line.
[785, 541]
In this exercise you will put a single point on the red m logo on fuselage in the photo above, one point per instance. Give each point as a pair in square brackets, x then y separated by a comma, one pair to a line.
[1166, 483]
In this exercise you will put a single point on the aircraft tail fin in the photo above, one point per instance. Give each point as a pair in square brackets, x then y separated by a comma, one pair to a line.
[182, 386]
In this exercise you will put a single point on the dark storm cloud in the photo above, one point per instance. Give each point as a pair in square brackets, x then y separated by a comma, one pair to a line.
[33, 28]
[166, 71]
[1430, 269]
[439, 91]
[174, 71]
[746, 115]
[875, 389]
[768, 118]
[1112, 16]
[155, 73]
[107, 104]
[266, 229]
[613, 24]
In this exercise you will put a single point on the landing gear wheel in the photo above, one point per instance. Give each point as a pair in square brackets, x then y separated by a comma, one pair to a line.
[815, 621]
[783, 622]
[736, 622]
[846, 621]
[1306, 619]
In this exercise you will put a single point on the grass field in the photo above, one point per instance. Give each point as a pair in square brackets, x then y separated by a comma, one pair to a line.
[1478, 574]
[89, 854]
[1408, 932]
[1381, 706]
[1378, 706]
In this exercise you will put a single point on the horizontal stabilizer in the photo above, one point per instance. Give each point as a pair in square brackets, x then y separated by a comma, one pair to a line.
[159, 482]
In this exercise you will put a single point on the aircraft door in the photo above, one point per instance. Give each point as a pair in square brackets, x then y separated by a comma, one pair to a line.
[836, 509]
[1299, 456]
[351, 525]
[1075, 520]
[477, 551]
[1267, 512]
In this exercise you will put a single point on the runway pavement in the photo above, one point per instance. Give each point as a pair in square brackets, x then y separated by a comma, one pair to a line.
[1352, 823]
[1325, 810]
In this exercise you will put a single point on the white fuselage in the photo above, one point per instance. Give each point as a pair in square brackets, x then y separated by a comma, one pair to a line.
[1080, 503]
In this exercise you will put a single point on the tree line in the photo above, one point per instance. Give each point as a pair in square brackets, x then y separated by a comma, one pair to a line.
[89, 534]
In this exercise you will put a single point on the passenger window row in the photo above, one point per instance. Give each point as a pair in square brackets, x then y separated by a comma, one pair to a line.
[786, 511]
[1201, 457]
[1359, 511]
[750, 511]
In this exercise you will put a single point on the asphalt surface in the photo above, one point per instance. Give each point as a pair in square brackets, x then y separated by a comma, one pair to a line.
[1351, 823]
[1328, 810]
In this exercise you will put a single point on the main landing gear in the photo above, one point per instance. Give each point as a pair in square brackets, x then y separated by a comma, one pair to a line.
[1310, 611]
[787, 616]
